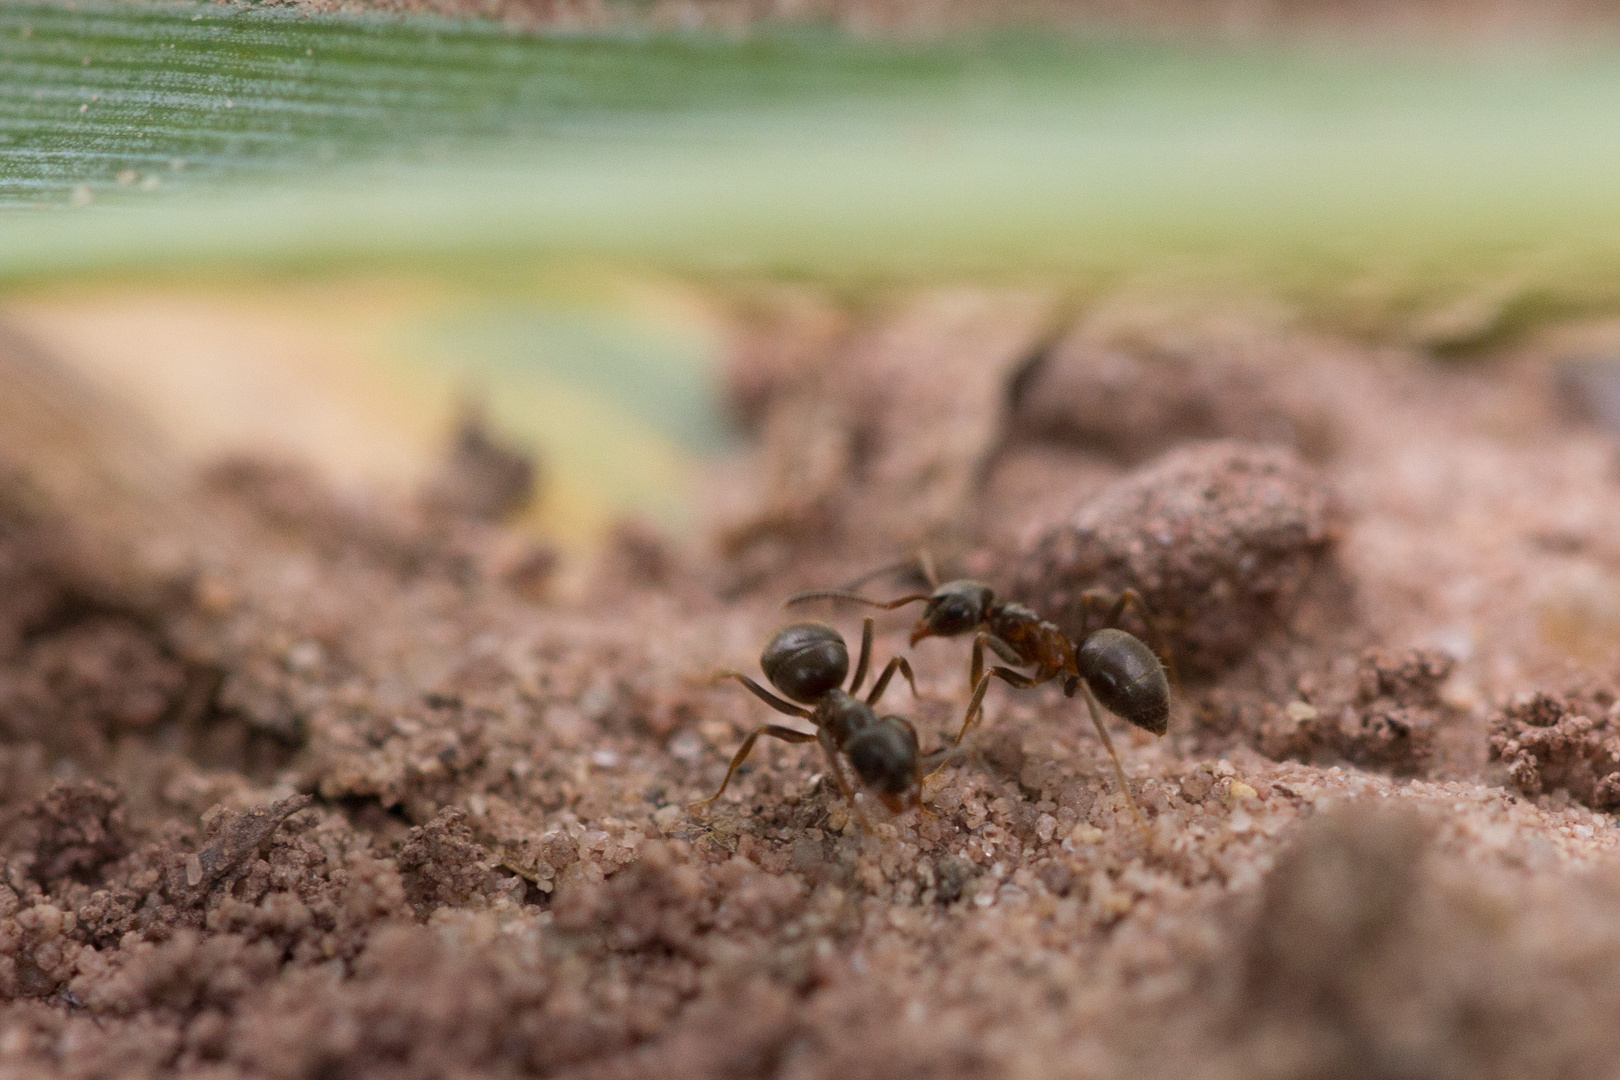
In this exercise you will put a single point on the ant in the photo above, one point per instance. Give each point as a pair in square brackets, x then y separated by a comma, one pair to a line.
[1110, 664]
[808, 662]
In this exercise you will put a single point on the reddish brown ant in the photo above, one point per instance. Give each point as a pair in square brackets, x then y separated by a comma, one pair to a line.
[1110, 665]
[808, 662]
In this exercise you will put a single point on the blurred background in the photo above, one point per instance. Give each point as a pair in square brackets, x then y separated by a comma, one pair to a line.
[335, 232]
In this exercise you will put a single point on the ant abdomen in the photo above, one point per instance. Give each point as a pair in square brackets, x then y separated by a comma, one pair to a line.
[806, 661]
[885, 756]
[1127, 678]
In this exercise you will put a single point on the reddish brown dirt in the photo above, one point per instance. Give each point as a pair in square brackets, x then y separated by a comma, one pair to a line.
[296, 787]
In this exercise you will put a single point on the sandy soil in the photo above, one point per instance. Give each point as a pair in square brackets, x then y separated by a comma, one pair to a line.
[292, 786]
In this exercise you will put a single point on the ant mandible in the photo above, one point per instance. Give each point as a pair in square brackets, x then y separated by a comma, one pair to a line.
[1110, 665]
[807, 662]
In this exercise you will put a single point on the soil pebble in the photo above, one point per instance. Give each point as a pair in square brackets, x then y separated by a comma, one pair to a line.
[1219, 538]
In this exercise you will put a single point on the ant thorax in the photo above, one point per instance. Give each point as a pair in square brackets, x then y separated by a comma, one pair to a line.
[1034, 639]
[843, 716]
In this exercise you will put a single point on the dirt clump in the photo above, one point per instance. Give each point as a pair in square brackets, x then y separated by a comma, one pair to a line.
[481, 477]
[90, 681]
[1335, 901]
[292, 503]
[1561, 742]
[1134, 399]
[1397, 709]
[1379, 950]
[81, 666]
[843, 450]
[1219, 538]
[72, 832]
[1388, 718]
[232, 838]
[442, 864]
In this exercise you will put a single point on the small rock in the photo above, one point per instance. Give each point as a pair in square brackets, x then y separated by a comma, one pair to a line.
[1219, 538]
[951, 876]
[1237, 791]
[1058, 877]
[1197, 784]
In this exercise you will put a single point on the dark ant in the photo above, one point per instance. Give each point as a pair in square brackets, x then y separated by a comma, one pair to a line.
[808, 662]
[1110, 665]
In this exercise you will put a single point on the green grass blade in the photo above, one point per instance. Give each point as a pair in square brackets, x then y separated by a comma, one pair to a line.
[314, 141]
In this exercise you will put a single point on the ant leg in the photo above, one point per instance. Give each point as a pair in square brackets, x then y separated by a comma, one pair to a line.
[1116, 607]
[929, 764]
[830, 748]
[866, 657]
[764, 695]
[981, 640]
[1005, 651]
[1006, 675]
[1119, 770]
[974, 703]
[900, 664]
[776, 731]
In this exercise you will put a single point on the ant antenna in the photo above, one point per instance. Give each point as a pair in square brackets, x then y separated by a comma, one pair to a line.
[923, 561]
[930, 572]
[853, 597]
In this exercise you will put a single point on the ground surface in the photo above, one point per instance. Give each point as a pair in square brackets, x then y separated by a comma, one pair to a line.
[292, 786]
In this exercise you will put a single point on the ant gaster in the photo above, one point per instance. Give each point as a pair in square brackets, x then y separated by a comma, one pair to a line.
[807, 662]
[1110, 665]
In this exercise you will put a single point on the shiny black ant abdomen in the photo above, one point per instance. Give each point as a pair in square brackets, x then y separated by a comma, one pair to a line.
[1127, 678]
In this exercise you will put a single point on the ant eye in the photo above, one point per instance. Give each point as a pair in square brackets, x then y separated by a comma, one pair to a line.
[955, 614]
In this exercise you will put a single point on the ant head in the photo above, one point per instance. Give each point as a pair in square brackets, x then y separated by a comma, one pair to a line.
[805, 661]
[955, 608]
[885, 757]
